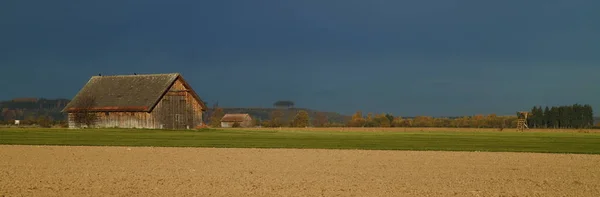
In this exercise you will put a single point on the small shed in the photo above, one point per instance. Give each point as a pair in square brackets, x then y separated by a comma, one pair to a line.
[153, 101]
[244, 120]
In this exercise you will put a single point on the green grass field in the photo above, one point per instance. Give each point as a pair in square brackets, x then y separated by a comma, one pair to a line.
[547, 142]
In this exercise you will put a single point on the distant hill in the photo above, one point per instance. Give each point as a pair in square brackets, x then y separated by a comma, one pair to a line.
[289, 113]
[32, 108]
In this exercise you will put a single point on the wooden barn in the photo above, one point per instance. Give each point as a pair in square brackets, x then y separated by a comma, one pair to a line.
[153, 101]
[244, 120]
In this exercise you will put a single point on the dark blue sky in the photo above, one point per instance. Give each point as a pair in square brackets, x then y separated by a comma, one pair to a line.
[425, 57]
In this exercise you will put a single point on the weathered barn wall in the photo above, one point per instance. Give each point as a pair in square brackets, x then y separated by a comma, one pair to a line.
[178, 109]
[125, 120]
[71, 121]
[120, 120]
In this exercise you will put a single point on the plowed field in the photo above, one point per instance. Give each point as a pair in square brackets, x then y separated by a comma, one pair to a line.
[147, 171]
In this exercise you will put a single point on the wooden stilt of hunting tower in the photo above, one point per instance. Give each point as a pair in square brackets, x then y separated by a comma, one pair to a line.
[522, 121]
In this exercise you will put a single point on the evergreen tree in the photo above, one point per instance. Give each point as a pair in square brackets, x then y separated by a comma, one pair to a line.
[541, 122]
[534, 118]
[576, 116]
[554, 117]
[562, 123]
[546, 118]
[531, 118]
[588, 116]
[565, 116]
[568, 113]
[390, 118]
[382, 120]
[539, 118]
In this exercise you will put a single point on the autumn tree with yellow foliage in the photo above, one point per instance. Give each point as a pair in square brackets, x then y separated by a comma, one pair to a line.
[357, 120]
[301, 119]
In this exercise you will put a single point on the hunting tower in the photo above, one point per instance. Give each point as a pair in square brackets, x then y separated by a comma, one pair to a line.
[522, 121]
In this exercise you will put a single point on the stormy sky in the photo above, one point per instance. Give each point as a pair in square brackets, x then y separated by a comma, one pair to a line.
[425, 57]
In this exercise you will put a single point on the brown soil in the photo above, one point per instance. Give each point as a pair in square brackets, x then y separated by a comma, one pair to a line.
[146, 171]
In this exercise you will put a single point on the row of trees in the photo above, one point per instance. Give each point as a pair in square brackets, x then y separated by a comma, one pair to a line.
[26, 109]
[277, 119]
[82, 116]
[388, 120]
[571, 116]
[41, 121]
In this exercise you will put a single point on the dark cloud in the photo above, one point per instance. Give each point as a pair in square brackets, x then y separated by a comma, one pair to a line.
[438, 57]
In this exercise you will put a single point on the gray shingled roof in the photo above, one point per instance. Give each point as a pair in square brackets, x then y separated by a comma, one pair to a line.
[125, 92]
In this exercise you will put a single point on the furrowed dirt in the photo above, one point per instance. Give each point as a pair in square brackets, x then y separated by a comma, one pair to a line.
[147, 171]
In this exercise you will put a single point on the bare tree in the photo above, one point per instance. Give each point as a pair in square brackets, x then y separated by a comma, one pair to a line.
[276, 118]
[320, 120]
[83, 114]
[215, 117]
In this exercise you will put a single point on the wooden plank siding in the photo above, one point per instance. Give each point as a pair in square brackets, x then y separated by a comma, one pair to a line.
[177, 109]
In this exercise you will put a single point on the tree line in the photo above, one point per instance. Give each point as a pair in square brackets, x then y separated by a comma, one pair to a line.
[388, 120]
[572, 116]
[40, 121]
[277, 118]
[568, 116]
